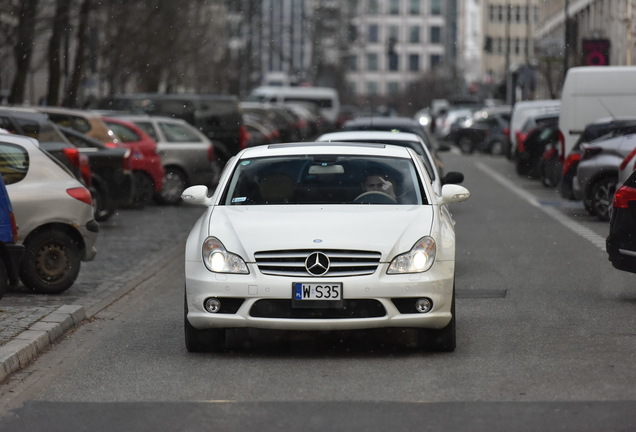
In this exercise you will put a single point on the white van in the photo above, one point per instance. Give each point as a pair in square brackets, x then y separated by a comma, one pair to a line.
[325, 97]
[592, 92]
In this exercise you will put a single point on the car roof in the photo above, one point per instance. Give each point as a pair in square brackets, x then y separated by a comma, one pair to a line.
[139, 117]
[371, 135]
[305, 148]
[380, 120]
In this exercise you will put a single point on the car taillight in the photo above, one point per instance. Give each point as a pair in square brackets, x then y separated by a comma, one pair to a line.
[81, 193]
[561, 139]
[506, 132]
[570, 161]
[589, 152]
[627, 159]
[623, 196]
[85, 169]
[111, 145]
[243, 137]
[521, 137]
[72, 154]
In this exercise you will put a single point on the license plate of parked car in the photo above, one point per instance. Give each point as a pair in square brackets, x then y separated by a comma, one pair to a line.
[317, 291]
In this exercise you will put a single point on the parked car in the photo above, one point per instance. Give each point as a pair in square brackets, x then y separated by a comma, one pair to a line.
[447, 125]
[148, 171]
[486, 131]
[604, 127]
[87, 122]
[402, 139]
[186, 154]
[31, 123]
[112, 183]
[327, 241]
[54, 214]
[523, 110]
[397, 124]
[597, 173]
[532, 141]
[217, 116]
[621, 240]
[11, 252]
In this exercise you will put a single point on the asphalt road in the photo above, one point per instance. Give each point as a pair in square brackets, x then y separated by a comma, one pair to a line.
[546, 341]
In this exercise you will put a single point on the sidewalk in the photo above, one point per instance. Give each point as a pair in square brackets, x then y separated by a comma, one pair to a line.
[30, 323]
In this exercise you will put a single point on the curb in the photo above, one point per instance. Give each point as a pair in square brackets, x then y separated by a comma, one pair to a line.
[23, 349]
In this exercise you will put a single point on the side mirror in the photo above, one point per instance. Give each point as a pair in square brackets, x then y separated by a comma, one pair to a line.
[196, 195]
[452, 193]
[453, 177]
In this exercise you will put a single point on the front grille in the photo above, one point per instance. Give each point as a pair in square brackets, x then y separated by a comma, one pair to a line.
[342, 262]
[280, 308]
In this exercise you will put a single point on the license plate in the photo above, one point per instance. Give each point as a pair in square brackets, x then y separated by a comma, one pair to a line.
[317, 294]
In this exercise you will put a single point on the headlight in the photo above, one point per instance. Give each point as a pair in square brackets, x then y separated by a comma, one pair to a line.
[218, 260]
[419, 259]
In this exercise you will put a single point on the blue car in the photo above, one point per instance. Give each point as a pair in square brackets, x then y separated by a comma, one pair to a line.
[10, 252]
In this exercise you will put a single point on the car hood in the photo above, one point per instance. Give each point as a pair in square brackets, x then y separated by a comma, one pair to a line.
[385, 228]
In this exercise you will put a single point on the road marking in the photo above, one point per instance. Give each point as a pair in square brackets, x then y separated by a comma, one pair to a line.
[550, 210]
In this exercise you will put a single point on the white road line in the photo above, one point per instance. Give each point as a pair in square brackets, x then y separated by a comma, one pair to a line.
[555, 214]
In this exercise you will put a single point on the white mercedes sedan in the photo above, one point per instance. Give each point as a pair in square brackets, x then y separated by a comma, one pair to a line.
[322, 236]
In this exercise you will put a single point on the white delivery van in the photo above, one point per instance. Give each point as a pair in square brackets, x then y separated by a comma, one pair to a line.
[325, 97]
[592, 92]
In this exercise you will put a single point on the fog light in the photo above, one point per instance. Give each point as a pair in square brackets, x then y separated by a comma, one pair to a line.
[212, 305]
[423, 305]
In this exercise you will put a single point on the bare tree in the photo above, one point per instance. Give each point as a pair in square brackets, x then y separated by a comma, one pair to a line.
[23, 49]
[59, 30]
[72, 93]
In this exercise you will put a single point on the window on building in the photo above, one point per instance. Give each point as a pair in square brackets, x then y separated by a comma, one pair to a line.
[501, 15]
[373, 7]
[352, 63]
[436, 60]
[436, 7]
[517, 14]
[492, 13]
[393, 88]
[415, 7]
[394, 33]
[374, 33]
[394, 7]
[516, 46]
[414, 62]
[372, 87]
[414, 34]
[372, 62]
[436, 34]
[394, 62]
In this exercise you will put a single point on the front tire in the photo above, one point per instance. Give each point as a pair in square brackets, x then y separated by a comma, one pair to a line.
[144, 189]
[51, 262]
[4, 278]
[210, 340]
[466, 145]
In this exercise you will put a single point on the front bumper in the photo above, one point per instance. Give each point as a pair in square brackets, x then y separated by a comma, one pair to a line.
[373, 301]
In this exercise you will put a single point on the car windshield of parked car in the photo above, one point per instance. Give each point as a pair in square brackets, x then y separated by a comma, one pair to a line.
[324, 179]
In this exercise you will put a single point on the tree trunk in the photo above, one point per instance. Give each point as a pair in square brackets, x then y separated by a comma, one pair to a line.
[60, 25]
[23, 49]
[72, 94]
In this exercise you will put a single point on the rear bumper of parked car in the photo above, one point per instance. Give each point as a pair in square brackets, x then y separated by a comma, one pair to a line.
[621, 243]
[373, 301]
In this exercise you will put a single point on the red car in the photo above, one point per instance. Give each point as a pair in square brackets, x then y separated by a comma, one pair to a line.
[148, 170]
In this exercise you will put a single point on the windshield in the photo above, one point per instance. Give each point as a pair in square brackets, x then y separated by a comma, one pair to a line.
[324, 179]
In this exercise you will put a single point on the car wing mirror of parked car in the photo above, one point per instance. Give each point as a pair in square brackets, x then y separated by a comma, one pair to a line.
[453, 177]
[196, 195]
[452, 193]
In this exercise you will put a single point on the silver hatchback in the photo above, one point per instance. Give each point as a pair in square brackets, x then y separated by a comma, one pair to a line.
[186, 154]
[597, 173]
[54, 214]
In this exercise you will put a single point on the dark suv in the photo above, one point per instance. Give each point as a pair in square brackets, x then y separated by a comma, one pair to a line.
[217, 116]
[10, 252]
